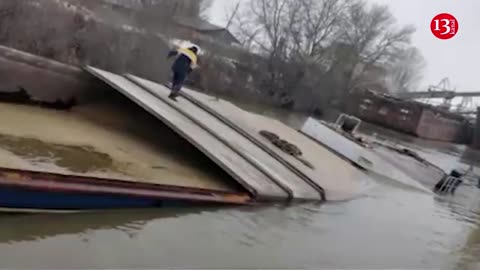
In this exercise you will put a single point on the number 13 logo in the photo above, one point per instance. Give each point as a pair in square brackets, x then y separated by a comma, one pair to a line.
[444, 26]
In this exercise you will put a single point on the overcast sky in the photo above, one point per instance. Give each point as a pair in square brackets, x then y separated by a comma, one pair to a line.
[457, 59]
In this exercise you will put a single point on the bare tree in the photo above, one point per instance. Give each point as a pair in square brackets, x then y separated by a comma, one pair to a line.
[305, 50]
[302, 40]
[406, 73]
[372, 34]
[294, 37]
[261, 24]
[262, 27]
[205, 6]
[231, 15]
[313, 26]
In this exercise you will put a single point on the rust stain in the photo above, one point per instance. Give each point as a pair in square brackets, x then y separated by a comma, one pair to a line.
[13, 176]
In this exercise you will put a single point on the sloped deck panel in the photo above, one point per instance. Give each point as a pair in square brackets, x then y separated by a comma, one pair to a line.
[341, 145]
[248, 149]
[376, 161]
[336, 178]
[428, 174]
[244, 172]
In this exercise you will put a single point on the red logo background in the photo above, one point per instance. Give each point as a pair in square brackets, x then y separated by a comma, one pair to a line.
[444, 26]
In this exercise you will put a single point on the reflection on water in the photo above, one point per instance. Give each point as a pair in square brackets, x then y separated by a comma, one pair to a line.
[24, 228]
[389, 227]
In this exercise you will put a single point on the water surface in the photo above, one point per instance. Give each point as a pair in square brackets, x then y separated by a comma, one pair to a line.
[388, 227]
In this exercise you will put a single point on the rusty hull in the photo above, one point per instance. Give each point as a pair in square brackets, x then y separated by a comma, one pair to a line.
[410, 117]
[35, 80]
[42, 181]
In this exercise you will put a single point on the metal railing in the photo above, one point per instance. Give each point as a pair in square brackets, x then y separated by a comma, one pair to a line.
[448, 185]
[344, 118]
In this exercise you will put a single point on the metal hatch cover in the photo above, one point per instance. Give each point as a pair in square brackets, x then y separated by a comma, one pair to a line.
[239, 141]
[245, 172]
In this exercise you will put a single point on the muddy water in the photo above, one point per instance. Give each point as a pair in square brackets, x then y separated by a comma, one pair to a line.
[78, 159]
[113, 139]
[389, 227]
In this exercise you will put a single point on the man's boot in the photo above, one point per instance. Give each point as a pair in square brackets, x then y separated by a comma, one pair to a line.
[174, 93]
[173, 96]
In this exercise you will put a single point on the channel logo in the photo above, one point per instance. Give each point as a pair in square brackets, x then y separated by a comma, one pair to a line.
[444, 26]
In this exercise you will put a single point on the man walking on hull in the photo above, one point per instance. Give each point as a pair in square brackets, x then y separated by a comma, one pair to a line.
[186, 61]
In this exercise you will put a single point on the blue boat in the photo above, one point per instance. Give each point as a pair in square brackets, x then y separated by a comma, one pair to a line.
[27, 191]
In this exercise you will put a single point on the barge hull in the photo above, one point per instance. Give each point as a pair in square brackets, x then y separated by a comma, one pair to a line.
[265, 172]
[41, 191]
[22, 198]
[316, 174]
[262, 166]
[369, 159]
[244, 172]
[295, 184]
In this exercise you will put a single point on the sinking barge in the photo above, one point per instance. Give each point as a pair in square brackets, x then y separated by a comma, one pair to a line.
[379, 160]
[251, 158]
[233, 139]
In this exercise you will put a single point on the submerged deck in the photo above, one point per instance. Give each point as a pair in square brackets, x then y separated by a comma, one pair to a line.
[377, 160]
[230, 137]
[118, 138]
[104, 140]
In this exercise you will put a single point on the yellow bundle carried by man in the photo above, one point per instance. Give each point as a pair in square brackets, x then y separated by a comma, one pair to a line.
[186, 60]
